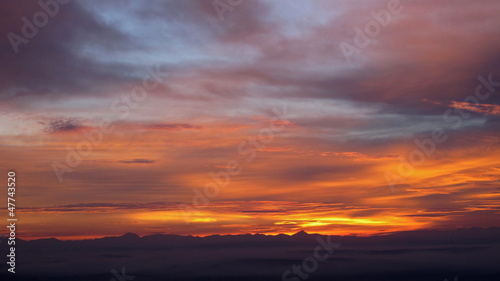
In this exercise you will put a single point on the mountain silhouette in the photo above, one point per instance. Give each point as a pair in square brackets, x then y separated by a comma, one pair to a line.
[397, 256]
[301, 233]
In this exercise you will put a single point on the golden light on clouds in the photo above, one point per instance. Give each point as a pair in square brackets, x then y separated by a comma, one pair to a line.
[313, 135]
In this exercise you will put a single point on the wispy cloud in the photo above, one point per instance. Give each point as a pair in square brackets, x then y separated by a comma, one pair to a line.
[61, 125]
[171, 126]
[484, 109]
[138, 161]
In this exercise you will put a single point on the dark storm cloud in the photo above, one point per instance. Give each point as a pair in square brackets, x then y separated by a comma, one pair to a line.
[403, 68]
[68, 56]
[52, 62]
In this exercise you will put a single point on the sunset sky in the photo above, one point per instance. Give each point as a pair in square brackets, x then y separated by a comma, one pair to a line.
[401, 134]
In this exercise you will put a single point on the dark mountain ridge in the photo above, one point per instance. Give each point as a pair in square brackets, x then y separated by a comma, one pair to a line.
[472, 254]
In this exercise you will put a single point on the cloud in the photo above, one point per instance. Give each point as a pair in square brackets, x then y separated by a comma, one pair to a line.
[138, 161]
[171, 126]
[484, 109]
[58, 66]
[103, 207]
[349, 123]
[61, 125]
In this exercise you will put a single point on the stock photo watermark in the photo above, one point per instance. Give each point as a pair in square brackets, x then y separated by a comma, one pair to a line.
[221, 179]
[493, 147]
[120, 106]
[364, 37]
[310, 264]
[427, 147]
[122, 277]
[11, 221]
[223, 6]
[31, 27]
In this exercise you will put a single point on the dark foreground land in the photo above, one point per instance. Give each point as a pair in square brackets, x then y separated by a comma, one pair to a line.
[465, 254]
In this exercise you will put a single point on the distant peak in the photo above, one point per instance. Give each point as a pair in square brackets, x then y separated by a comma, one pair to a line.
[300, 233]
[130, 235]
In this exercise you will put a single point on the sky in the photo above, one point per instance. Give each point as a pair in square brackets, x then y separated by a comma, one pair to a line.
[228, 117]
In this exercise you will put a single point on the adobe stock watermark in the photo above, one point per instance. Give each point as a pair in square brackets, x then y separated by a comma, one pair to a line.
[427, 146]
[311, 263]
[221, 179]
[363, 37]
[122, 277]
[493, 147]
[120, 106]
[223, 6]
[30, 28]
